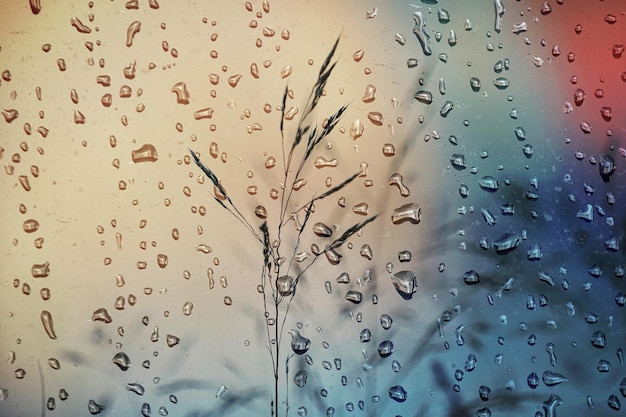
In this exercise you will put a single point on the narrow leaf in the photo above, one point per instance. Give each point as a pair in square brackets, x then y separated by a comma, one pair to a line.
[266, 245]
[282, 109]
[351, 231]
[338, 187]
[329, 57]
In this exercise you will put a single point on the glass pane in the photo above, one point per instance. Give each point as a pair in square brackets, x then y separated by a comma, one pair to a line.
[314, 208]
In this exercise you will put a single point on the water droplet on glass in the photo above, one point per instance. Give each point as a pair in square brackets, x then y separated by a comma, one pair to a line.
[501, 83]
[423, 96]
[396, 179]
[385, 348]
[446, 108]
[132, 30]
[322, 230]
[385, 321]
[458, 161]
[366, 252]
[299, 343]
[286, 71]
[122, 360]
[470, 363]
[410, 212]
[233, 80]
[94, 408]
[552, 378]
[48, 324]
[102, 315]
[135, 387]
[419, 29]
[398, 393]
[354, 296]
[405, 282]
[300, 378]
[321, 162]
[361, 208]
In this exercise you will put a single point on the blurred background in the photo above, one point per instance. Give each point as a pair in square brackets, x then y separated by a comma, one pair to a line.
[126, 289]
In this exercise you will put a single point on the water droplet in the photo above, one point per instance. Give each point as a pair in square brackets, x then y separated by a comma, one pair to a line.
[354, 296]
[552, 378]
[484, 392]
[291, 113]
[122, 360]
[410, 212]
[286, 71]
[94, 408]
[171, 340]
[405, 282]
[423, 96]
[102, 315]
[501, 83]
[385, 321]
[187, 308]
[398, 393]
[300, 378]
[470, 363]
[30, 225]
[361, 208]
[233, 80]
[385, 348]
[136, 388]
[299, 343]
[370, 94]
[322, 230]
[598, 339]
[80, 26]
[356, 130]
[458, 161]
[420, 32]
[585, 127]
[132, 30]
[366, 252]
[446, 108]
[48, 324]
[321, 162]
[397, 180]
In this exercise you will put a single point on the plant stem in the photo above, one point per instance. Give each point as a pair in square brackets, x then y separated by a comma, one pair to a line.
[277, 361]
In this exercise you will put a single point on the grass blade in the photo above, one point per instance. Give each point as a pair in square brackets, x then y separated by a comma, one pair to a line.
[348, 233]
[338, 187]
[266, 245]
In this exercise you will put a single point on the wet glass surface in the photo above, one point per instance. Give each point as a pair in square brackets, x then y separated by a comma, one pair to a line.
[323, 208]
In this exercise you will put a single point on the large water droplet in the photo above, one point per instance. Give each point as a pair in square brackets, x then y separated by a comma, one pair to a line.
[299, 343]
[48, 324]
[398, 393]
[300, 378]
[102, 315]
[385, 348]
[405, 283]
[419, 29]
[410, 212]
[552, 378]
[122, 360]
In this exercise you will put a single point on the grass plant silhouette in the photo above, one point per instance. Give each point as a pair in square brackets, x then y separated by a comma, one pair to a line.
[279, 275]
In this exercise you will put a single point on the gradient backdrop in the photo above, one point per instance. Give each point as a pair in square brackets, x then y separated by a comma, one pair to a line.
[86, 227]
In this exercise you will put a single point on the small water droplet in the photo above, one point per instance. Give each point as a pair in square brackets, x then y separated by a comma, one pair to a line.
[233, 80]
[132, 30]
[398, 393]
